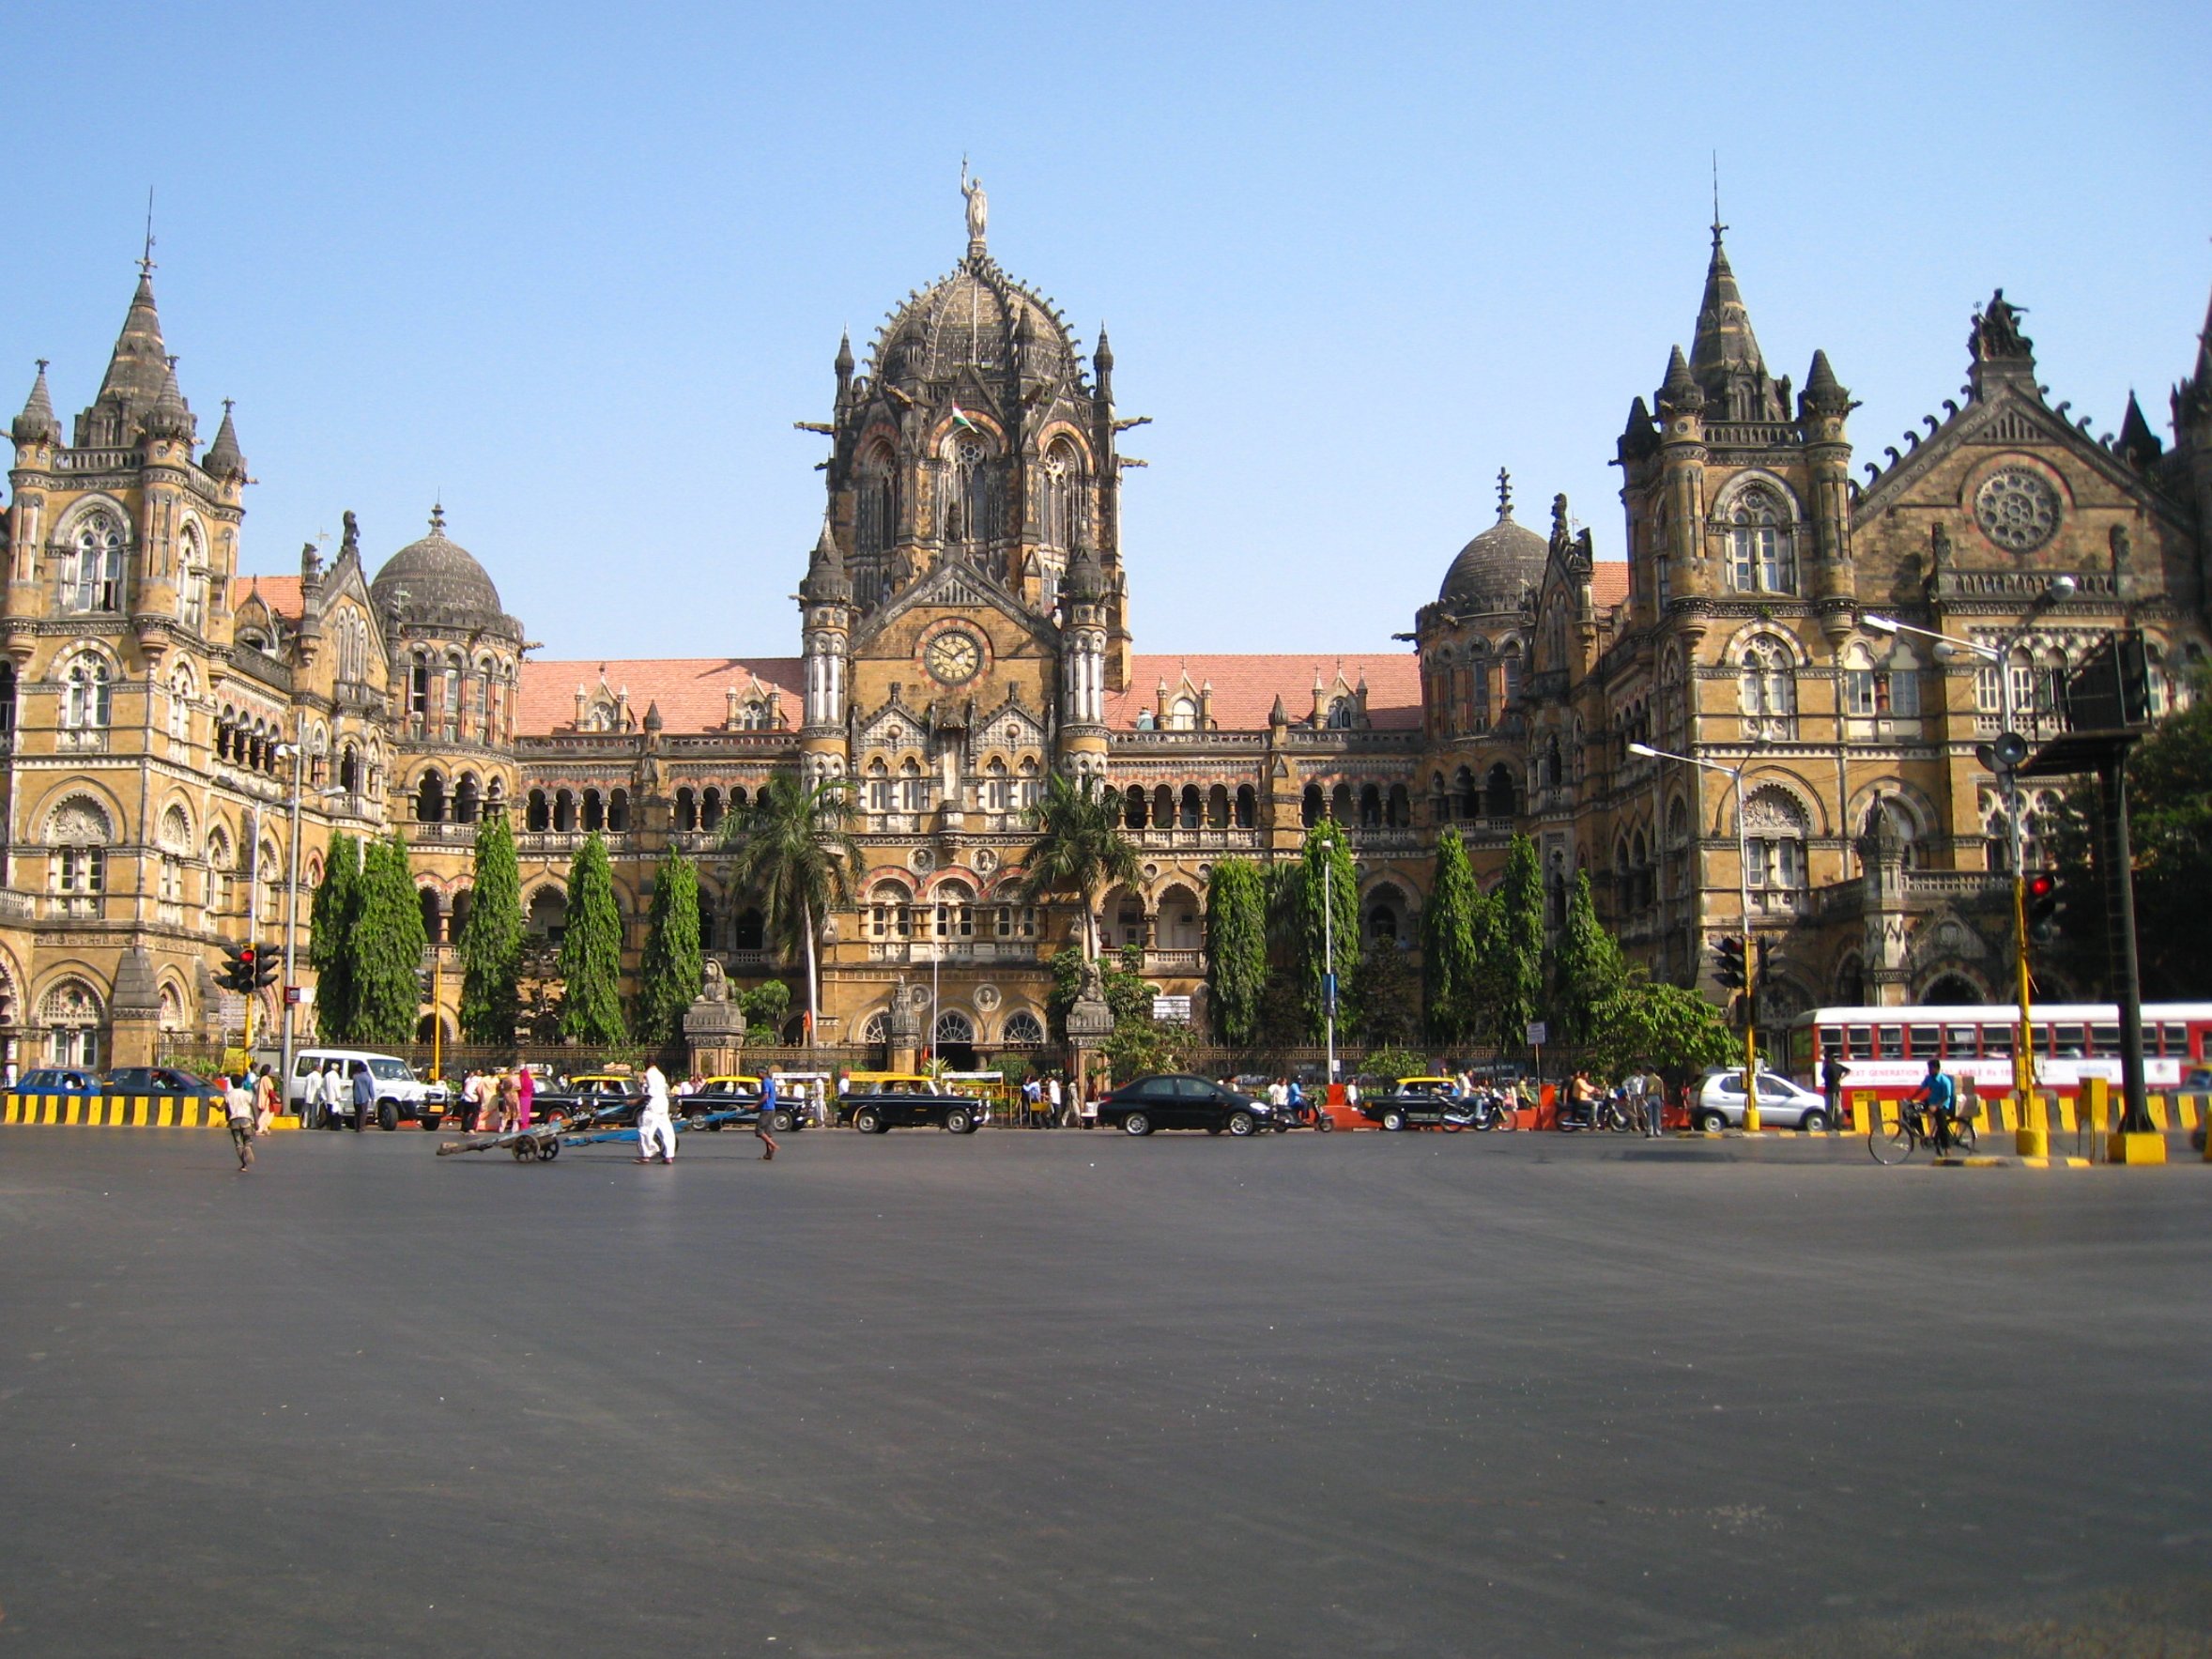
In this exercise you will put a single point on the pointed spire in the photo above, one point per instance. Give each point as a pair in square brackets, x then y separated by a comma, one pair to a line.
[223, 459]
[826, 582]
[2139, 445]
[1085, 581]
[169, 417]
[1679, 391]
[844, 363]
[1279, 716]
[1639, 437]
[1724, 341]
[139, 361]
[653, 717]
[1823, 393]
[1505, 494]
[36, 424]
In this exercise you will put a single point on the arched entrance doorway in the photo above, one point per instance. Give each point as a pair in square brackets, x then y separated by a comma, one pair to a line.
[956, 1040]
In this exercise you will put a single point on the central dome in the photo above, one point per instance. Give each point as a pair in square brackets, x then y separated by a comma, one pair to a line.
[437, 579]
[970, 318]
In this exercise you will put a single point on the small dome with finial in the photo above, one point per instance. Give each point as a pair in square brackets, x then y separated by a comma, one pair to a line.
[436, 582]
[1491, 570]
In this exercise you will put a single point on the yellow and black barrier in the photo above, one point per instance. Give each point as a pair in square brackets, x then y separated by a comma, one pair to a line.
[2093, 1112]
[147, 1111]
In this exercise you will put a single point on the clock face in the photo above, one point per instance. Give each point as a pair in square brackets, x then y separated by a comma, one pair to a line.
[953, 657]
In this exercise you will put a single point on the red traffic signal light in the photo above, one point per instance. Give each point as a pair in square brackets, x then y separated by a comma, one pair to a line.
[2043, 905]
[246, 955]
[2042, 885]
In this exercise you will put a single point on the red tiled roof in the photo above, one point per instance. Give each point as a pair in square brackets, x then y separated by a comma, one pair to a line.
[279, 594]
[1608, 585]
[1245, 687]
[693, 692]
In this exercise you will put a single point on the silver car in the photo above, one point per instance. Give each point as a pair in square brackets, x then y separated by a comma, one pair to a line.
[1782, 1104]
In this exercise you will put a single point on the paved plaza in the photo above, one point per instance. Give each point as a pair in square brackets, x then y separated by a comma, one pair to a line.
[1062, 1393]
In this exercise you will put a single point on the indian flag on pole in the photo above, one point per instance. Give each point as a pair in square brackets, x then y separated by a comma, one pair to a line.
[959, 418]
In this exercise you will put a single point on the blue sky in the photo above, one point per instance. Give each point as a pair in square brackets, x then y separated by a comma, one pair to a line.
[578, 269]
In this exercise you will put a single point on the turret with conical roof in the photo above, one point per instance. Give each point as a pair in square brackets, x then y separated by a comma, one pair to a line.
[224, 461]
[136, 371]
[1724, 355]
[171, 418]
[36, 424]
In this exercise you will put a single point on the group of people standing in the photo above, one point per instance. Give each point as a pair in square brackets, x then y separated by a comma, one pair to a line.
[498, 1101]
[1051, 1102]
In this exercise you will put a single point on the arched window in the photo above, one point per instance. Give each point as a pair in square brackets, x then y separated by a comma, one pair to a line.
[1478, 674]
[1509, 671]
[495, 798]
[92, 574]
[748, 930]
[430, 798]
[73, 1016]
[954, 1029]
[1182, 715]
[710, 808]
[971, 517]
[1386, 916]
[84, 694]
[889, 911]
[219, 900]
[466, 799]
[1312, 805]
[1499, 794]
[1217, 807]
[1190, 809]
[191, 579]
[1398, 807]
[875, 523]
[1774, 829]
[548, 914]
[1766, 690]
[1133, 807]
[79, 834]
[536, 813]
[564, 811]
[1762, 558]
[997, 788]
[954, 920]
[432, 915]
[181, 688]
[877, 1029]
[1022, 1028]
[1063, 496]
[1248, 806]
[686, 808]
[350, 770]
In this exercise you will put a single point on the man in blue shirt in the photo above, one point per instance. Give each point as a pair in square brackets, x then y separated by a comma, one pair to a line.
[364, 1096]
[1940, 1095]
[764, 1125]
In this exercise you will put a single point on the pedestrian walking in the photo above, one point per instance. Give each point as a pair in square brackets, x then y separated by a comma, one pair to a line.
[526, 1091]
[364, 1096]
[238, 1107]
[504, 1103]
[1060, 1118]
[764, 1125]
[1832, 1073]
[654, 1127]
[265, 1101]
[472, 1099]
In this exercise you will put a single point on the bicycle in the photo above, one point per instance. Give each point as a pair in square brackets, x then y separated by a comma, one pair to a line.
[1890, 1143]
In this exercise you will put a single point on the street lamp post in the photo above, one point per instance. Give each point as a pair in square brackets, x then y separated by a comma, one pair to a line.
[1751, 1120]
[2029, 1141]
[291, 913]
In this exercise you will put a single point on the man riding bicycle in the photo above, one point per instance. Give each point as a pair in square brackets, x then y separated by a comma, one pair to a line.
[1939, 1095]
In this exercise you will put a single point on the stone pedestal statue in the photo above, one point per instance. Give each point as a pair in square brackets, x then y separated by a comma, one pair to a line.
[902, 1033]
[1090, 1023]
[714, 1026]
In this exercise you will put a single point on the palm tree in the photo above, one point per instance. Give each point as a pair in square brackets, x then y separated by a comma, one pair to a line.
[793, 849]
[1080, 850]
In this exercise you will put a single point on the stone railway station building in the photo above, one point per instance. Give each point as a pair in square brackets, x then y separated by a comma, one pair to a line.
[964, 627]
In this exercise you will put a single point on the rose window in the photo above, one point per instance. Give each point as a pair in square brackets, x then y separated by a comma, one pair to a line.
[2017, 509]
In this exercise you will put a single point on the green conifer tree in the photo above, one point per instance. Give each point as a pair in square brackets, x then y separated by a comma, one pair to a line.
[672, 969]
[386, 947]
[329, 938]
[1236, 948]
[1451, 970]
[592, 951]
[491, 939]
[1587, 970]
[1325, 869]
[1511, 949]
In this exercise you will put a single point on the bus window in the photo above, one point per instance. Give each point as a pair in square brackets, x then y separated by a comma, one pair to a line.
[1997, 1042]
[1960, 1043]
[1862, 1041]
[2105, 1039]
[2177, 1040]
[1893, 1042]
[1921, 1042]
[2073, 1041]
[2039, 1040]
[1830, 1041]
[1801, 1050]
[2150, 1040]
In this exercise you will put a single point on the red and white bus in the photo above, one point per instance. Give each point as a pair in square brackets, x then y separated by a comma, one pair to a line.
[1887, 1050]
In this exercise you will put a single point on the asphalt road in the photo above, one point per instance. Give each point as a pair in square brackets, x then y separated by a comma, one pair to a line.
[1063, 1393]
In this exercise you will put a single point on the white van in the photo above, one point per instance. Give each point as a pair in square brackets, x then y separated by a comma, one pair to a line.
[401, 1095]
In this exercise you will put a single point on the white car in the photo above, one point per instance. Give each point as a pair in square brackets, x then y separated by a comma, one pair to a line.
[1782, 1104]
[401, 1095]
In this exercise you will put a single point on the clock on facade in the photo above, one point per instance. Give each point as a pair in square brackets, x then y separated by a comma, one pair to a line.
[953, 657]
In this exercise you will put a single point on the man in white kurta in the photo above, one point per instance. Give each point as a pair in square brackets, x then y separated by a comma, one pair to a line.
[655, 1126]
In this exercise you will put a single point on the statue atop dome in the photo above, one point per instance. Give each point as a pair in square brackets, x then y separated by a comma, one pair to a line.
[978, 207]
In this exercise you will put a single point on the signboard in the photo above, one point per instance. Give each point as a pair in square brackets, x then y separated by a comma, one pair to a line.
[230, 1012]
[1170, 1007]
[300, 996]
[1538, 1034]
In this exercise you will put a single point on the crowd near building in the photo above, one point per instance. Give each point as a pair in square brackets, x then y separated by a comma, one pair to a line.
[965, 628]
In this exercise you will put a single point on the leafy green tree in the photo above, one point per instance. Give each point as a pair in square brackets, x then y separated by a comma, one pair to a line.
[1587, 969]
[1450, 969]
[1664, 1028]
[387, 945]
[491, 938]
[763, 1007]
[329, 938]
[2169, 836]
[1080, 850]
[1327, 901]
[1510, 949]
[1392, 1063]
[673, 966]
[1236, 948]
[1385, 997]
[592, 950]
[793, 849]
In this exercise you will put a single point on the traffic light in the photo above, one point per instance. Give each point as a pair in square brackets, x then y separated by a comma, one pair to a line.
[1728, 953]
[236, 973]
[2044, 905]
[267, 965]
